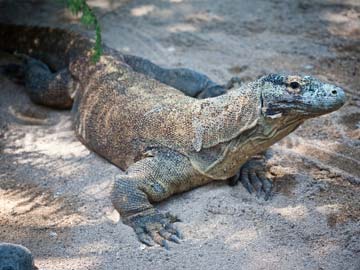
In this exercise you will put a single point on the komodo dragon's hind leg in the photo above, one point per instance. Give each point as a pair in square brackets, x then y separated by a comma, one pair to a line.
[252, 176]
[190, 82]
[42, 85]
[47, 88]
[151, 180]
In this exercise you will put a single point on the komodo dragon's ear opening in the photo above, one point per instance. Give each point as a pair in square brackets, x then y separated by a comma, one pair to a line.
[294, 85]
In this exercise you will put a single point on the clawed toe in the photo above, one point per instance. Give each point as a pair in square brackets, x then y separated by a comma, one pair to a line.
[146, 239]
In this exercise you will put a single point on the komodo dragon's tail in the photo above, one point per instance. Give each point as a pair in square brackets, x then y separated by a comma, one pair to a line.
[15, 72]
[53, 46]
[49, 84]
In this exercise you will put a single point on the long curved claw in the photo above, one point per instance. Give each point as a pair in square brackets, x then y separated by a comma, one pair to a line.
[256, 183]
[146, 239]
[169, 236]
[267, 185]
[172, 228]
[159, 239]
[233, 181]
[155, 228]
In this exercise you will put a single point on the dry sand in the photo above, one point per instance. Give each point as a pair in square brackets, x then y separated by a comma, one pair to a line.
[54, 193]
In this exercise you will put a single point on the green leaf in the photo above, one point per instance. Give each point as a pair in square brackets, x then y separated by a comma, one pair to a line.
[87, 18]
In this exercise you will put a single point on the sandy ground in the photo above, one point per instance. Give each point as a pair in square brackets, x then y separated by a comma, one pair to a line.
[54, 193]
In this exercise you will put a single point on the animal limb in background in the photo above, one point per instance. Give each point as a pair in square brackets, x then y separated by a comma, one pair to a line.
[15, 257]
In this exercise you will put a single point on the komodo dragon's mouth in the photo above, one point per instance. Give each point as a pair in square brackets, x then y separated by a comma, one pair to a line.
[304, 109]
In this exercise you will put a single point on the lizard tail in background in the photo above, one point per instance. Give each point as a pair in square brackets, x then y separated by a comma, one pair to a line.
[47, 53]
[190, 82]
[55, 47]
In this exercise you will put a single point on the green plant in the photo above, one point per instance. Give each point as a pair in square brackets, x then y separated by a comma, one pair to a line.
[88, 18]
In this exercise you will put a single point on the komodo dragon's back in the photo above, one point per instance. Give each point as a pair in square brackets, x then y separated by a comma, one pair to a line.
[121, 115]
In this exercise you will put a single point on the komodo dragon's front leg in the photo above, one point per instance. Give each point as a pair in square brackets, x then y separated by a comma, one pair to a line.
[47, 88]
[153, 179]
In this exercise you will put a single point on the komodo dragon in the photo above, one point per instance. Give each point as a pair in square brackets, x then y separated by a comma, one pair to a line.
[145, 119]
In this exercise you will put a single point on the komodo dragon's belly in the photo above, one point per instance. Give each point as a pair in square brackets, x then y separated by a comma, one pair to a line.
[120, 115]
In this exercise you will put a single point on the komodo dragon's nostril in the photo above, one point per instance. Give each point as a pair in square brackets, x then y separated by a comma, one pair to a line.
[334, 92]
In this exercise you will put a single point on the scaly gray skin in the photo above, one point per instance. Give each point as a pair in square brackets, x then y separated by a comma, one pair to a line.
[166, 140]
[15, 257]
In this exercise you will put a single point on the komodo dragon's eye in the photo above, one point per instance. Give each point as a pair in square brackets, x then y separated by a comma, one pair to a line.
[295, 85]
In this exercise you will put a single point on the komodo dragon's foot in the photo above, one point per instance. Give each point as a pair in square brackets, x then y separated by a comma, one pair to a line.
[231, 83]
[218, 90]
[155, 227]
[252, 176]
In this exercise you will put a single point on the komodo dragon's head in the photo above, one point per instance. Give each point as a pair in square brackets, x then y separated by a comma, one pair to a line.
[270, 109]
[298, 97]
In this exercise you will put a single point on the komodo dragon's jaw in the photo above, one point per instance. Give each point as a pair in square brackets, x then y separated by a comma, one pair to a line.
[299, 97]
